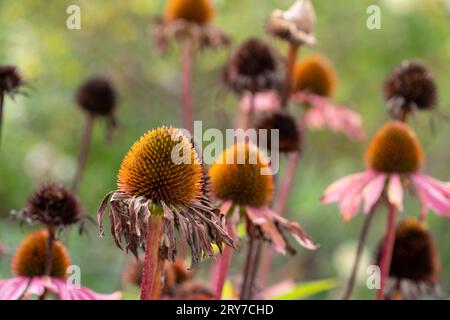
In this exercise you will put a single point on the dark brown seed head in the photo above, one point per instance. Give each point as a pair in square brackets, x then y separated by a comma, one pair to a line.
[53, 205]
[411, 86]
[254, 67]
[10, 79]
[97, 96]
[288, 130]
[415, 256]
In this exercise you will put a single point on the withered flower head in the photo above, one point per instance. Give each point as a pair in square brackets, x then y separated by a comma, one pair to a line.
[410, 87]
[395, 149]
[10, 80]
[415, 265]
[189, 20]
[290, 135]
[254, 67]
[241, 177]
[162, 174]
[97, 96]
[242, 181]
[295, 25]
[52, 205]
[315, 74]
[30, 258]
[197, 11]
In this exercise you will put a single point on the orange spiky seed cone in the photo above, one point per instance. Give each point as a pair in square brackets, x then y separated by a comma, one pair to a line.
[315, 74]
[395, 148]
[30, 258]
[148, 169]
[197, 11]
[242, 183]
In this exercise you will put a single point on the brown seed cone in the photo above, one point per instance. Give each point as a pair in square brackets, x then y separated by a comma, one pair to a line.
[97, 96]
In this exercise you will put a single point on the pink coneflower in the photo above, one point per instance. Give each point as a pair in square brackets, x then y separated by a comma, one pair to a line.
[394, 159]
[315, 82]
[28, 266]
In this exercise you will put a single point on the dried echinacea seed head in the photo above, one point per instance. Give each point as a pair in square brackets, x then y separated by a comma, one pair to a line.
[410, 87]
[97, 96]
[415, 255]
[295, 25]
[289, 133]
[254, 68]
[395, 148]
[197, 11]
[53, 205]
[240, 174]
[10, 80]
[162, 166]
[316, 75]
[30, 258]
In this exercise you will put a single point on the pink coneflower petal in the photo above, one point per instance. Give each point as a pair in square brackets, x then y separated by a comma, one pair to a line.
[323, 112]
[433, 193]
[225, 207]
[262, 101]
[395, 191]
[13, 289]
[37, 287]
[294, 228]
[372, 192]
[257, 217]
[66, 292]
[339, 188]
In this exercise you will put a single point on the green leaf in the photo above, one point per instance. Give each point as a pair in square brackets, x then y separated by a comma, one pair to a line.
[308, 289]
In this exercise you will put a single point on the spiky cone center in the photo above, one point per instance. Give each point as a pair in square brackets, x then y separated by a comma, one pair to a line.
[197, 11]
[162, 166]
[413, 84]
[54, 205]
[415, 255]
[97, 96]
[239, 175]
[288, 130]
[395, 149]
[31, 257]
[316, 75]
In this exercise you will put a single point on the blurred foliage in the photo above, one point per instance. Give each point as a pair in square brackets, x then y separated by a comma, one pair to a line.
[41, 131]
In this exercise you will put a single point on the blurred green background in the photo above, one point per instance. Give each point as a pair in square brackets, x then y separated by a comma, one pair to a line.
[41, 132]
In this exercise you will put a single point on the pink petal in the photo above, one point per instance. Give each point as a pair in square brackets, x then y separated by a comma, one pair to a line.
[226, 206]
[257, 217]
[339, 188]
[433, 193]
[395, 191]
[294, 229]
[36, 288]
[13, 289]
[264, 101]
[372, 191]
[72, 293]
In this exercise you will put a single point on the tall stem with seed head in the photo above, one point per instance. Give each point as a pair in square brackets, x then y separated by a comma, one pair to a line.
[361, 242]
[186, 83]
[153, 262]
[386, 254]
[84, 150]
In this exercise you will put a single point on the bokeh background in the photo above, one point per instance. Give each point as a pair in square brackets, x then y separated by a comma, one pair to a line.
[42, 131]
